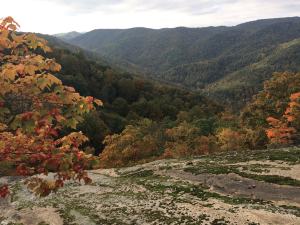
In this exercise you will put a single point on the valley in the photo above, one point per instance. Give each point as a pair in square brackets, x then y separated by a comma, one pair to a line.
[229, 64]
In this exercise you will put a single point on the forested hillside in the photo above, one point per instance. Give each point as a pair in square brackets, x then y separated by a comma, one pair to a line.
[265, 22]
[54, 41]
[101, 37]
[126, 99]
[142, 122]
[211, 60]
[121, 65]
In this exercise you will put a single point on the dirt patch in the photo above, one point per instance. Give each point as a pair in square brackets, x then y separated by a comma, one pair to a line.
[239, 187]
[276, 168]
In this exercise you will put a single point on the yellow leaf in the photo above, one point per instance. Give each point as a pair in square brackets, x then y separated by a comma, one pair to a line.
[18, 39]
[76, 96]
[38, 191]
[30, 69]
[38, 58]
[72, 123]
[53, 79]
[32, 185]
[12, 26]
[5, 33]
[9, 74]
[31, 37]
[54, 66]
[47, 49]
[71, 89]
[51, 184]
[43, 82]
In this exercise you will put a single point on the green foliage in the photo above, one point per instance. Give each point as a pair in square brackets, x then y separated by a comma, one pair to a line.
[196, 113]
[95, 129]
[229, 64]
[120, 106]
[207, 126]
[126, 99]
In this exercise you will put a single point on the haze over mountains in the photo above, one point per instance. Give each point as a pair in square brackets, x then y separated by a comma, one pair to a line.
[229, 64]
[69, 35]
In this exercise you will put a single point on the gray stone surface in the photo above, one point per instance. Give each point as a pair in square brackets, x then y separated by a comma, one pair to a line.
[134, 196]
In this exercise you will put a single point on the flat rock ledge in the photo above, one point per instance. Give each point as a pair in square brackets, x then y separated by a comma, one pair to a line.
[211, 189]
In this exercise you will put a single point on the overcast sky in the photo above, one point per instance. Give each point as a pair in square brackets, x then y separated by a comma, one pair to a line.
[58, 16]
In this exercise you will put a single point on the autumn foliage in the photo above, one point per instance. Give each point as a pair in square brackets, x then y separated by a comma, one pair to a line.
[281, 130]
[232, 141]
[29, 140]
[185, 140]
[148, 141]
[135, 145]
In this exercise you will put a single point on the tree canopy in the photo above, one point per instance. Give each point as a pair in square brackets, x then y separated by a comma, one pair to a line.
[34, 107]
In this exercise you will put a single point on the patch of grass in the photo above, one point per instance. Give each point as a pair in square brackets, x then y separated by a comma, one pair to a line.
[144, 173]
[203, 218]
[234, 179]
[283, 168]
[198, 191]
[292, 209]
[220, 221]
[291, 156]
[164, 219]
[226, 169]
[165, 167]
[43, 223]
[15, 189]
[65, 215]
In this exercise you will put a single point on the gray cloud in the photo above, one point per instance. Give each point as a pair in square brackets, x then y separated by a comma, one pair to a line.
[93, 14]
[196, 8]
[86, 6]
[90, 6]
[190, 7]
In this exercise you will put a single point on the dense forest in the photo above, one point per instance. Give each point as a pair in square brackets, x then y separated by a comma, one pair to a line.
[228, 64]
[126, 99]
[159, 121]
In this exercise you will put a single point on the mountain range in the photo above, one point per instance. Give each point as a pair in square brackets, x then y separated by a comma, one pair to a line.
[229, 64]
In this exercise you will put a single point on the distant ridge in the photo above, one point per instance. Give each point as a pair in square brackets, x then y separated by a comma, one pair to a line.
[265, 22]
[229, 64]
[69, 35]
[101, 37]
